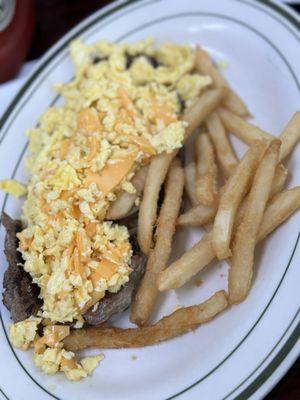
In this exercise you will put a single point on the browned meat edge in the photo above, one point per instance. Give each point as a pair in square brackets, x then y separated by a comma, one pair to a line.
[20, 295]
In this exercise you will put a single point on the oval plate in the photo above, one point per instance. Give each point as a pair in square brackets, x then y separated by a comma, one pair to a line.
[246, 350]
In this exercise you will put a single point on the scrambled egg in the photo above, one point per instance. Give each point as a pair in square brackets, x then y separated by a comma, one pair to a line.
[122, 108]
[23, 333]
[49, 354]
[13, 187]
[74, 265]
[53, 360]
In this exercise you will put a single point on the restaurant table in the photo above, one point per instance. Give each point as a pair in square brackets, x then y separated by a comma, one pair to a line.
[53, 19]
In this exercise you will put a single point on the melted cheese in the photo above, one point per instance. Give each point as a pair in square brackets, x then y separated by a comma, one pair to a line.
[112, 174]
[88, 122]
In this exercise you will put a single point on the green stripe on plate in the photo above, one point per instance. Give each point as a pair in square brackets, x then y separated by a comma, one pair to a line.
[277, 360]
[3, 394]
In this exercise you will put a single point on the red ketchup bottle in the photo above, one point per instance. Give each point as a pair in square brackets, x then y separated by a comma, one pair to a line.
[17, 19]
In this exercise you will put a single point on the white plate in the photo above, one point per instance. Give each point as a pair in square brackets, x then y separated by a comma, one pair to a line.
[244, 352]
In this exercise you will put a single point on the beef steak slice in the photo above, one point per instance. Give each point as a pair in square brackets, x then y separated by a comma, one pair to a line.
[20, 295]
[114, 303]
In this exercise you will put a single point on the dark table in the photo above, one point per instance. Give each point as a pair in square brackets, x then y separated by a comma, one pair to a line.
[56, 17]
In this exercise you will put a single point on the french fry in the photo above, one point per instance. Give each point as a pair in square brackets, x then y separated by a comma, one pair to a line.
[157, 172]
[231, 197]
[206, 171]
[188, 265]
[242, 129]
[280, 208]
[189, 182]
[280, 176]
[159, 166]
[204, 106]
[290, 136]
[277, 211]
[147, 292]
[198, 215]
[201, 215]
[241, 270]
[224, 151]
[179, 322]
[125, 201]
[248, 133]
[205, 66]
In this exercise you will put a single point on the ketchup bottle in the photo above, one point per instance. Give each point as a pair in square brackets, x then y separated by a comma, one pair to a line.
[17, 19]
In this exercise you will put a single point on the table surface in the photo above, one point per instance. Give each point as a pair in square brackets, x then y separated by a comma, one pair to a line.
[56, 17]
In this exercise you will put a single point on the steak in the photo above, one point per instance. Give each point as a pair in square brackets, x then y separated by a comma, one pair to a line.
[114, 303]
[21, 295]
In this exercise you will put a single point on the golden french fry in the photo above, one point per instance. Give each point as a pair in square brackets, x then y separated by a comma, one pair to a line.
[277, 211]
[206, 171]
[205, 105]
[198, 215]
[249, 133]
[189, 182]
[234, 103]
[159, 166]
[205, 66]
[280, 177]
[179, 322]
[232, 196]
[290, 136]
[280, 208]
[147, 292]
[201, 215]
[189, 264]
[125, 201]
[224, 151]
[157, 172]
[242, 129]
[279, 180]
[241, 269]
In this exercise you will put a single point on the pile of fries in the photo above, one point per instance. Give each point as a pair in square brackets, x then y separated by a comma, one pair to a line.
[250, 204]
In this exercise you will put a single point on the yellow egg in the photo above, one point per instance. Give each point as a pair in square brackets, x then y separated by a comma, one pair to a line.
[23, 333]
[13, 187]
